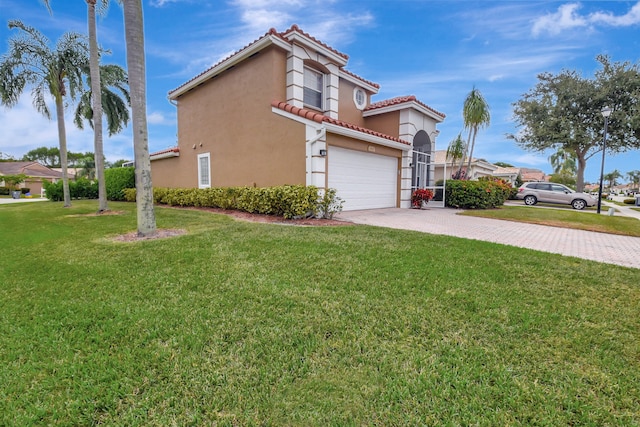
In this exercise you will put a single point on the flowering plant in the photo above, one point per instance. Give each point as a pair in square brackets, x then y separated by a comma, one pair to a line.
[421, 195]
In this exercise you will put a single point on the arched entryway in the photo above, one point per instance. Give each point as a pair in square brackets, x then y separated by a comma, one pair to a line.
[421, 173]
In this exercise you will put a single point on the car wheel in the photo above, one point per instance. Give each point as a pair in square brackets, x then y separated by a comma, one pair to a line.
[530, 200]
[579, 204]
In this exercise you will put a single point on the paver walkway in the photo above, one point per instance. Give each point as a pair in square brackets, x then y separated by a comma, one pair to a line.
[602, 247]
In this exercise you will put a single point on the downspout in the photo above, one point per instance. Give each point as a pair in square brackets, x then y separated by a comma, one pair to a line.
[321, 133]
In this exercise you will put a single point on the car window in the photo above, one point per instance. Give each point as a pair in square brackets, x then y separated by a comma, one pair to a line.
[558, 188]
[546, 187]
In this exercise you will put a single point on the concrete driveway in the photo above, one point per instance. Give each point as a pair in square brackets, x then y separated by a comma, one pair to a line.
[601, 247]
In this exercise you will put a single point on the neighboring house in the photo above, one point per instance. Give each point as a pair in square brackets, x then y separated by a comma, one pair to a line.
[479, 167]
[509, 174]
[36, 173]
[284, 110]
[532, 175]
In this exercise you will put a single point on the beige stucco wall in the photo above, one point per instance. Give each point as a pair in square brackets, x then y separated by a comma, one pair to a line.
[347, 108]
[230, 117]
[387, 123]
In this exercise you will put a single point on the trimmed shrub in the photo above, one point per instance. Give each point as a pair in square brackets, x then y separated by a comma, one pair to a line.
[629, 201]
[481, 194]
[80, 189]
[118, 179]
[4, 191]
[288, 201]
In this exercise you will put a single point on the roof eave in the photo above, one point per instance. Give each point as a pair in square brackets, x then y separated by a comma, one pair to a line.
[359, 82]
[403, 106]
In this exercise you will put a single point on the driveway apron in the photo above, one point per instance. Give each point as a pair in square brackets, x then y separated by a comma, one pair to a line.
[601, 247]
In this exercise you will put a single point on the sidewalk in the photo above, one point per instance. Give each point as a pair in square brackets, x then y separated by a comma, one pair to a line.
[622, 210]
[6, 201]
[601, 247]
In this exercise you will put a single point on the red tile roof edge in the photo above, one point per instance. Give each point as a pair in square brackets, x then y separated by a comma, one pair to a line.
[376, 85]
[320, 118]
[271, 32]
[400, 100]
[166, 150]
[296, 29]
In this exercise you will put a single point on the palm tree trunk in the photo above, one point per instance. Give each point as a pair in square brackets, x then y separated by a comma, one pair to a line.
[62, 138]
[464, 155]
[94, 69]
[473, 144]
[134, 36]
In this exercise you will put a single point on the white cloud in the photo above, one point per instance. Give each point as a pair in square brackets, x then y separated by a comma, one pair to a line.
[628, 19]
[157, 118]
[567, 17]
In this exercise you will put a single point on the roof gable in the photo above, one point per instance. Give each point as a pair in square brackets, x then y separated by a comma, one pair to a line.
[284, 40]
[400, 103]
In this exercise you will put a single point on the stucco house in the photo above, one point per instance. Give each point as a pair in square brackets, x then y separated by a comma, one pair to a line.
[285, 110]
[36, 174]
[477, 169]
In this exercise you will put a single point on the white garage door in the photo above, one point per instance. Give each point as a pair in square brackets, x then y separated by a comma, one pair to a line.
[363, 180]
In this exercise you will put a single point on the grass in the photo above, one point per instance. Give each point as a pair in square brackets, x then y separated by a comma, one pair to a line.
[250, 324]
[563, 218]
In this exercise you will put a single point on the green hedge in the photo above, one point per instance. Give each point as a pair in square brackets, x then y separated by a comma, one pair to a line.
[481, 194]
[78, 189]
[117, 180]
[288, 201]
[629, 201]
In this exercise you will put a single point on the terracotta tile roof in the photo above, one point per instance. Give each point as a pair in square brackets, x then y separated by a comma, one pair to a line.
[166, 150]
[320, 118]
[376, 85]
[33, 169]
[283, 36]
[401, 100]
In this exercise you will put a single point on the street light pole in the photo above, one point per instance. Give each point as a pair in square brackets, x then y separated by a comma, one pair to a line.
[606, 112]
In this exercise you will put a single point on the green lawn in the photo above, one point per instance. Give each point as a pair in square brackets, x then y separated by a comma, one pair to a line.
[247, 324]
[569, 218]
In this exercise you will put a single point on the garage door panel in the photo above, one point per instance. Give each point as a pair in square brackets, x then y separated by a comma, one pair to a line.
[363, 180]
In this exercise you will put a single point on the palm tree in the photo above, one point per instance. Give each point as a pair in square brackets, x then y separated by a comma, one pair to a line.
[116, 109]
[94, 72]
[612, 178]
[634, 177]
[564, 162]
[476, 115]
[455, 152]
[134, 37]
[55, 72]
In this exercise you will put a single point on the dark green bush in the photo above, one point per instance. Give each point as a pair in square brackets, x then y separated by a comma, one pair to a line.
[79, 189]
[118, 179]
[288, 201]
[629, 201]
[4, 191]
[481, 194]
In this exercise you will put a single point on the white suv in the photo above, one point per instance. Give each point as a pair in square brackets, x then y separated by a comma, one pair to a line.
[547, 192]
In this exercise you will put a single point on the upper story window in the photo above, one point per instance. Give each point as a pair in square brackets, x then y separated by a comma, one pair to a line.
[359, 98]
[313, 88]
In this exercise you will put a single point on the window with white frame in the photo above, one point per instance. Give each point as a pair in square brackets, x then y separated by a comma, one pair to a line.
[204, 170]
[313, 88]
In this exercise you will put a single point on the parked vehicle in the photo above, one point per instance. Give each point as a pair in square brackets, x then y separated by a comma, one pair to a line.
[547, 192]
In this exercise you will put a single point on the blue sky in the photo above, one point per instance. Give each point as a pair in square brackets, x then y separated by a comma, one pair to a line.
[436, 50]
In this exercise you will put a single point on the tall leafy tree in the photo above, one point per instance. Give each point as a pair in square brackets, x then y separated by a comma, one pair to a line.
[476, 115]
[51, 72]
[134, 36]
[48, 156]
[563, 111]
